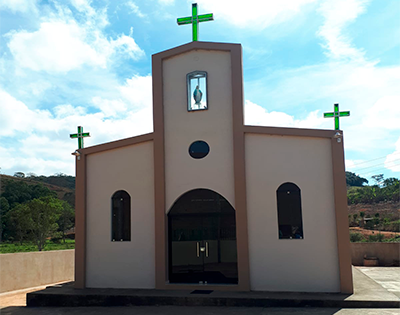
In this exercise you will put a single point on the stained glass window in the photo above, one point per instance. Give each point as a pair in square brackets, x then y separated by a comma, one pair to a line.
[121, 216]
[290, 221]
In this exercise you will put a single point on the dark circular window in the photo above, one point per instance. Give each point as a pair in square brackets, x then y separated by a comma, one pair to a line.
[199, 149]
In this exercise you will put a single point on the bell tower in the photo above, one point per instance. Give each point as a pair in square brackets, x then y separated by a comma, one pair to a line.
[198, 113]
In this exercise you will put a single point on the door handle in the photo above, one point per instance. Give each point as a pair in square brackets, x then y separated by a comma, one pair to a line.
[198, 249]
[206, 249]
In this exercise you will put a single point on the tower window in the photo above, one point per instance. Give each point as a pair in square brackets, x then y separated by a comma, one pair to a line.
[290, 220]
[197, 90]
[121, 216]
[199, 149]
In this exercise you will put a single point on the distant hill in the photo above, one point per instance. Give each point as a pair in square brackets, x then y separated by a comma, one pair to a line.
[57, 180]
[63, 186]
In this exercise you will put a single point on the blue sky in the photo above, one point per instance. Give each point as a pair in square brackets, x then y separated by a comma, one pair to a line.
[79, 62]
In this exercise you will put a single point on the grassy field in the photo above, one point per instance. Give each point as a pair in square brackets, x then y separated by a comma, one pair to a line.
[6, 248]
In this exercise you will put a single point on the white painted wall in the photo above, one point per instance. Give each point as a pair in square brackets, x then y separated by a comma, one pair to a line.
[214, 126]
[304, 265]
[121, 264]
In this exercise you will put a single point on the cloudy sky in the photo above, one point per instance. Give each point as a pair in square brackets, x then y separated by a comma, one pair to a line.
[78, 62]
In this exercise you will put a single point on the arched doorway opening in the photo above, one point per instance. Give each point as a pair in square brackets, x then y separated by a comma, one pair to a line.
[202, 239]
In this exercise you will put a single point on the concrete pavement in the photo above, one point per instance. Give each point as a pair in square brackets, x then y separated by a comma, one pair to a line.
[387, 277]
[373, 284]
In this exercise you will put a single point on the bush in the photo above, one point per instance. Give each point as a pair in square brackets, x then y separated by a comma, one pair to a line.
[356, 237]
[393, 226]
[369, 225]
[375, 238]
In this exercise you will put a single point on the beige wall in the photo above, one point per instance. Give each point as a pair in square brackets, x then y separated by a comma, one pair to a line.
[121, 264]
[387, 253]
[304, 265]
[214, 126]
[27, 270]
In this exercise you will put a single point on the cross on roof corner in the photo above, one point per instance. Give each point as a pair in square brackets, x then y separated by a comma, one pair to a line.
[195, 20]
[336, 114]
[80, 135]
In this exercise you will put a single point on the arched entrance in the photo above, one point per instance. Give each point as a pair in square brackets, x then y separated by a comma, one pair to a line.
[202, 239]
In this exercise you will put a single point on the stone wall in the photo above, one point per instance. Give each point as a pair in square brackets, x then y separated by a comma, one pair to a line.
[26, 270]
[387, 253]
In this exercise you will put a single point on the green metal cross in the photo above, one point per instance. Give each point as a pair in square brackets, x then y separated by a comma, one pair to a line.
[195, 19]
[336, 114]
[80, 135]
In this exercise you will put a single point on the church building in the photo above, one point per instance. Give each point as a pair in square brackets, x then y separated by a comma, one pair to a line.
[207, 202]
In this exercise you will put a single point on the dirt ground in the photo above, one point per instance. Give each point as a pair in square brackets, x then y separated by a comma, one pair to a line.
[384, 209]
[366, 233]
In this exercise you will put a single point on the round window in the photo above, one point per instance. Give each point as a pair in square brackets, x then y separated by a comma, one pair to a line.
[199, 149]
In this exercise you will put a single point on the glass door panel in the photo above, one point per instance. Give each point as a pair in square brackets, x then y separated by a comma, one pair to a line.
[220, 259]
[186, 256]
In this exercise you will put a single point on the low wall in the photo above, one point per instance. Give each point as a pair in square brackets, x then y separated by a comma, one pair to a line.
[387, 253]
[26, 270]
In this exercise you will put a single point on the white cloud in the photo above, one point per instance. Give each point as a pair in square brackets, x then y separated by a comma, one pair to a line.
[41, 138]
[23, 6]
[83, 6]
[137, 91]
[110, 108]
[338, 14]
[257, 115]
[384, 114]
[15, 116]
[135, 9]
[62, 111]
[253, 14]
[392, 161]
[127, 45]
[55, 47]
[371, 94]
[62, 43]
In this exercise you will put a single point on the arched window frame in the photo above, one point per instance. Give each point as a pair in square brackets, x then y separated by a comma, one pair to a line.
[121, 216]
[290, 219]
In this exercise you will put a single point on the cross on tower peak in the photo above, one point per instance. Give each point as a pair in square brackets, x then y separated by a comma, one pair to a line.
[195, 20]
[336, 114]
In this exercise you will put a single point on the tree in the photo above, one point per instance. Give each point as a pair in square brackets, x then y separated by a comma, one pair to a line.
[362, 215]
[44, 214]
[70, 198]
[19, 222]
[67, 219]
[4, 208]
[16, 192]
[377, 219]
[20, 192]
[390, 182]
[355, 215]
[378, 179]
[19, 174]
[354, 180]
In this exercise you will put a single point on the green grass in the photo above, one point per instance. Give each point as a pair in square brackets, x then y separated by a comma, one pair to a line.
[6, 248]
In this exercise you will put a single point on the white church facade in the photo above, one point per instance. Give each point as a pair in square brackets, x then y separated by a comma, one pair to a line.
[206, 202]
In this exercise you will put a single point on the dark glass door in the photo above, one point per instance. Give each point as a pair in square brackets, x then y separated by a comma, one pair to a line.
[202, 239]
[220, 257]
[186, 262]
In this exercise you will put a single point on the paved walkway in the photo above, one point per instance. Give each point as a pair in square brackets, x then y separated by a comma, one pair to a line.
[387, 277]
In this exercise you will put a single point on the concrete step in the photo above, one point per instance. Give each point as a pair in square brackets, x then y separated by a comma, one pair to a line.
[66, 295]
